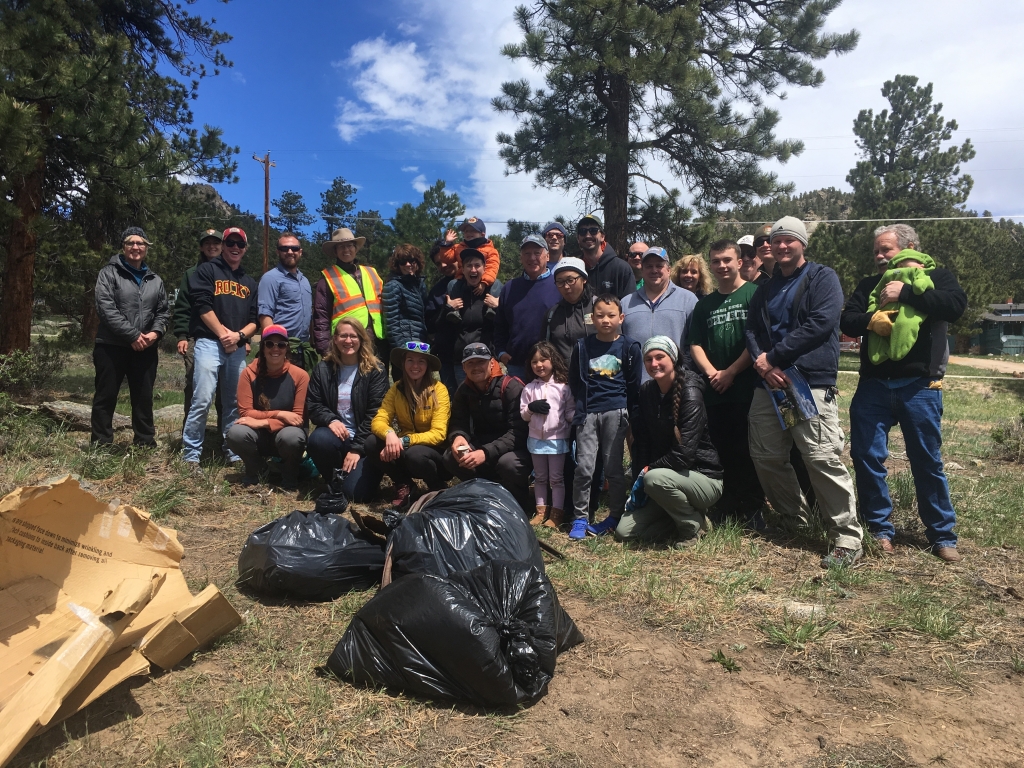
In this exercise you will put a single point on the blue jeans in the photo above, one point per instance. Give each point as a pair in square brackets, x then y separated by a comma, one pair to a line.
[212, 365]
[327, 452]
[519, 371]
[918, 410]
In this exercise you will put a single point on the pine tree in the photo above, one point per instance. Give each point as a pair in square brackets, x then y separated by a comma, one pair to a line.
[292, 213]
[337, 205]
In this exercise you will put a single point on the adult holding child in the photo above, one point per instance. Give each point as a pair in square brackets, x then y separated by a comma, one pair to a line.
[272, 412]
[345, 392]
[674, 460]
[468, 315]
[411, 424]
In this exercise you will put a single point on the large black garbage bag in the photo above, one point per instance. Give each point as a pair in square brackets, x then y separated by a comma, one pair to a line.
[309, 556]
[465, 526]
[488, 636]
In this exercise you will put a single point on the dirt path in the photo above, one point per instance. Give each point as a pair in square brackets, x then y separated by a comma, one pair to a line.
[1003, 366]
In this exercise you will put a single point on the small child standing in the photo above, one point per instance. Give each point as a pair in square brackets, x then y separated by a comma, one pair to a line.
[547, 403]
[604, 375]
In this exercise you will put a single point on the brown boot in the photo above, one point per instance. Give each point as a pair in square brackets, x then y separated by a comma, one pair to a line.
[556, 519]
[541, 516]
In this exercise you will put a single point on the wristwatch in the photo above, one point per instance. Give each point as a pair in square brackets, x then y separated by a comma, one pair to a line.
[405, 441]
[242, 339]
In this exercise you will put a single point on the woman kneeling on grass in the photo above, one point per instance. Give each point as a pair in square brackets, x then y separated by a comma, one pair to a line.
[345, 391]
[672, 453]
[411, 424]
[271, 407]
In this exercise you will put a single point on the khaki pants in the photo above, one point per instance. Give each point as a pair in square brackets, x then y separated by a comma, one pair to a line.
[820, 442]
[676, 503]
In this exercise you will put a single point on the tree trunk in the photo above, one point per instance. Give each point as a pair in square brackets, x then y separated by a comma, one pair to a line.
[16, 307]
[616, 194]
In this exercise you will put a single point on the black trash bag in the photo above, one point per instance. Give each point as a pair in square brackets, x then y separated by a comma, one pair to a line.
[333, 501]
[461, 528]
[309, 556]
[488, 636]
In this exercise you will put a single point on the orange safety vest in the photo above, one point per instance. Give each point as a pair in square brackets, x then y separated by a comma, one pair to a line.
[349, 301]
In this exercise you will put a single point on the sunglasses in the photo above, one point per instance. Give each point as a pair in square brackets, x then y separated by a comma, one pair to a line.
[588, 230]
[289, 249]
[275, 344]
[235, 243]
[417, 346]
[403, 262]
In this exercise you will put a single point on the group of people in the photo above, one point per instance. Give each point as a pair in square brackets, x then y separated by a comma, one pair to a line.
[555, 374]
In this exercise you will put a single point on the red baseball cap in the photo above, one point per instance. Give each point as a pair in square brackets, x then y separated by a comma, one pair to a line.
[235, 231]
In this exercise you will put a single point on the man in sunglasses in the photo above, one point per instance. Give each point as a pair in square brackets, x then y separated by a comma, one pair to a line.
[286, 299]
[607, 272]
[224, 313]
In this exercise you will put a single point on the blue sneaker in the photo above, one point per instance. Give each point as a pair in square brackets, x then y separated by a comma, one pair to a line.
[606, 526]
[579, 529]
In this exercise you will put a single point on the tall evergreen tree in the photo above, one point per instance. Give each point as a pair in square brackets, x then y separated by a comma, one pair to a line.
[292, 213]
[337, 206]
[634, 82]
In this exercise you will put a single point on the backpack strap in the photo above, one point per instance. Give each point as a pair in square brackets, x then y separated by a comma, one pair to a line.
[505, 381]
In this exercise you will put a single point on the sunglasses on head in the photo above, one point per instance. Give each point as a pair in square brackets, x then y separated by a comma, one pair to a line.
[235, 243]
[588, 230]
[289, 248]
[417, 346]
[275, 344]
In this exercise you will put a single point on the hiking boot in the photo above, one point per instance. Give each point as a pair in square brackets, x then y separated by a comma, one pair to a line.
[579, 529]
[556, 519]
[690, 543]
[402, 496]
[541, 516]
[194, 469]
[886, 546]
[606, 526]
[949, 554]
[249, 481]
[841, 557]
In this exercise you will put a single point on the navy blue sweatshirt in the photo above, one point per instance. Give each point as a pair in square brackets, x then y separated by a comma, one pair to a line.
[809, 336]
[230, 293]
[524, 304]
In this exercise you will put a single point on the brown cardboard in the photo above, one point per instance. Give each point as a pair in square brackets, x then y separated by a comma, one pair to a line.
[206, 618]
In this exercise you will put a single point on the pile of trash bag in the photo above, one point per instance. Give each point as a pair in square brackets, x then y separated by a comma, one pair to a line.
[470, 614]
[309, 556]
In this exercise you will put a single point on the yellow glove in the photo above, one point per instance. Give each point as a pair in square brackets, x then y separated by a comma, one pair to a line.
[881, 322]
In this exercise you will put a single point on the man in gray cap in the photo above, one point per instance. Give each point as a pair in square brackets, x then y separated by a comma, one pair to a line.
[554, 235]
[793, 328]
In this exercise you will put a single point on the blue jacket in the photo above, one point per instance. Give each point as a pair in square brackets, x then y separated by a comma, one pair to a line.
[811, 339]
[632, 366]
[404, 300]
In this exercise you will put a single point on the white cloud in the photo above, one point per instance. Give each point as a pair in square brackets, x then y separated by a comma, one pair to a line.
[410, 169]
[420, 184]
[237, 76]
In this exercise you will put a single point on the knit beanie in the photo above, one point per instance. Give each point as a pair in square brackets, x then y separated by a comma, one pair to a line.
[137, 232]
[663, 343]
[790, 226]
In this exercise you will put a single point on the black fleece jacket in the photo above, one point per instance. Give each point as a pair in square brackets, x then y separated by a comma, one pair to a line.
[654, 440]
[367, 394]
[489, 421]
[945, 304]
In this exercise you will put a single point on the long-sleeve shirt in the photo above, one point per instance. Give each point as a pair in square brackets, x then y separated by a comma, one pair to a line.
[261, 396]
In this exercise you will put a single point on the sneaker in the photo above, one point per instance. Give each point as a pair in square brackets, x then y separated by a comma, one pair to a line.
[841, 557]
[579, 529]
[402, 494]
[606, 526]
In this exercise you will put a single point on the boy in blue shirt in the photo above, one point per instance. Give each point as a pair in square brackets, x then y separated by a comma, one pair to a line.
[604, 376]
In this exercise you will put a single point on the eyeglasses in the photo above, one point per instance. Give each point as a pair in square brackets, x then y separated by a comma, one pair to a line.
[565, 282]
[347, 336]
[289, 249]
[135, 244]
[275, 344]
[235, 243]
[588, 230]
[417, 346]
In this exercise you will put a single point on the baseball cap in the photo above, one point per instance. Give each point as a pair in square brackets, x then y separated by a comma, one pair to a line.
[556, 226]
[764, 235]
[235, 231]
[211, 233]
[661, 253]
[534, 238]
[746, 240]
[570, 262]
[274, 330]
[593, 218]
[472, 252]
[476, 351]
[475, 224]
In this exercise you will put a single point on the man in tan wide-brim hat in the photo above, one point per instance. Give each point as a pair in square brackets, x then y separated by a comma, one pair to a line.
[347, 289]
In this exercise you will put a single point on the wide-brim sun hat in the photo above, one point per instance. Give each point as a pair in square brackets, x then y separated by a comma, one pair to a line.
[418, 347]
[338, 237]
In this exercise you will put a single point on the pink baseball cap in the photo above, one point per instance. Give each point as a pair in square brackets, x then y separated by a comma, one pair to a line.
[235, 231]
[274, 330]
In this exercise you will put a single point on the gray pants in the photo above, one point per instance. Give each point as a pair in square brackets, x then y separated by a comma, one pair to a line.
[820, 442]
[253, 445]
[604, 432]
[676, 503]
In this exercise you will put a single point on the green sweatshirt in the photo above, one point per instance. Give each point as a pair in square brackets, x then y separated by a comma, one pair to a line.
[183, 306]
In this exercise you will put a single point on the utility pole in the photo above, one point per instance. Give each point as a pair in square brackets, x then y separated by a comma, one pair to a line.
[267, 165]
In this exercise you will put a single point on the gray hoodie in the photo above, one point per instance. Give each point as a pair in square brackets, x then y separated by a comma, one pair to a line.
[127, 309]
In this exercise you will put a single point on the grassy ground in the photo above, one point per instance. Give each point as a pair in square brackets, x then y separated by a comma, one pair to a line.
[741, 651]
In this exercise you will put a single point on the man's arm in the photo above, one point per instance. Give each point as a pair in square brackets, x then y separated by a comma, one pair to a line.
[182, 310]
[634, 375]
[501, 329]
[946, 301]
[755, 324]
[266, 301]
[625, 282]
[855, 317]
[459, 419]
[701, 359]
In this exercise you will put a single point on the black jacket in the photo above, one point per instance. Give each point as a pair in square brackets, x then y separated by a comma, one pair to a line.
[126, 309]
[490, 421]
[231, 294]
[468, 325]
[654, 440]
[944, 304]
[404, 299]
[611, 275]
[367, 394]
[565, 324]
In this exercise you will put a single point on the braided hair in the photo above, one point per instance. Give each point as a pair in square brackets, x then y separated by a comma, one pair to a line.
[677, 401]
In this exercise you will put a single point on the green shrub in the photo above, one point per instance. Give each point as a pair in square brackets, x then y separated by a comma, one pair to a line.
[1008, 435]
[24, 372]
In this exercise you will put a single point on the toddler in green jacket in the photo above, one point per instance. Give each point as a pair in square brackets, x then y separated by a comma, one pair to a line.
[894, 328]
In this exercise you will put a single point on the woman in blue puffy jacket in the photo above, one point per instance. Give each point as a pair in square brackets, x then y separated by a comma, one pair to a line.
[404, 298]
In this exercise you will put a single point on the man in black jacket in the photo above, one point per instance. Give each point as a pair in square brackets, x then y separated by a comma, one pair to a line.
[907, 392]
[486, 430]
[607, 273]
[224, 309]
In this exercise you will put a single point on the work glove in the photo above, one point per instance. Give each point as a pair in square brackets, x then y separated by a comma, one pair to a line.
[881, 322]
[539, 406]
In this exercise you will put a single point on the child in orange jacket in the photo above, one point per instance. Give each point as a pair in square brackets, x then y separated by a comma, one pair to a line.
[474, 235]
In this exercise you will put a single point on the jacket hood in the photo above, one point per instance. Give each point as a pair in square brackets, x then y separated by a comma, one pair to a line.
[912, 255]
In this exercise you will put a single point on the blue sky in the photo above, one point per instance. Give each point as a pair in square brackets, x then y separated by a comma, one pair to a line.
[392, 96]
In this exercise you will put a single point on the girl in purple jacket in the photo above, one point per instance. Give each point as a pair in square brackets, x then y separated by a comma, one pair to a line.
[547, 403]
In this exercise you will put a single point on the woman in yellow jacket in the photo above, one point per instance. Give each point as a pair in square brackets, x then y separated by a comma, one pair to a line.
[411, 425]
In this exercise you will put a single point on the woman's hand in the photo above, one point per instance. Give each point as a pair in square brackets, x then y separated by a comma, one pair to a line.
[350, 462]
[453, 303]
[339, 430]
[249, 421]
[392, 448]
[290, 418]
[480, 288]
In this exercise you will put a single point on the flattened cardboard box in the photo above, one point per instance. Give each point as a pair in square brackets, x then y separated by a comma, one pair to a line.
[61, 547]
